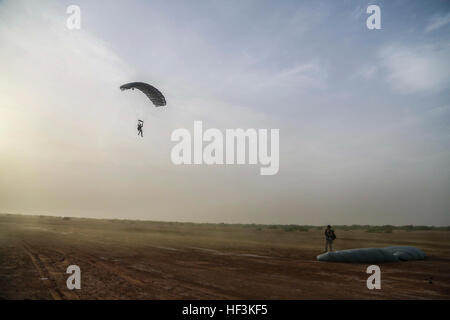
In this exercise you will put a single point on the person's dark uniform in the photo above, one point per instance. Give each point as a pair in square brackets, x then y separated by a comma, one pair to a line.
[139, 127]
[329, 238]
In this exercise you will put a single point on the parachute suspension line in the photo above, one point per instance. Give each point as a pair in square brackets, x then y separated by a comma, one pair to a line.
[156, 97]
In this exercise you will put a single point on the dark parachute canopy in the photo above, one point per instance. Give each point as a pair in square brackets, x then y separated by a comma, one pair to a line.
[369, 255]
[150, 91]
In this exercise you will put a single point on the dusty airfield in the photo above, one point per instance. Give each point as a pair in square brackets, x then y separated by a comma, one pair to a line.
[156, 260]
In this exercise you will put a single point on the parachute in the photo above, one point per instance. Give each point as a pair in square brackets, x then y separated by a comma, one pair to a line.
[369, 255]
[150, 91]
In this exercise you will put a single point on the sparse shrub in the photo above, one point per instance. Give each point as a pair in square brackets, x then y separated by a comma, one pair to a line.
[294, 227]
[380, 229]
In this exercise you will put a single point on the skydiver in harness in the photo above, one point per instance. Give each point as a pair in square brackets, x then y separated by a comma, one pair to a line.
[139, 127]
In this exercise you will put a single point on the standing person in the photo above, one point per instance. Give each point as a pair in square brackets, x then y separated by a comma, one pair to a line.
[139, 127]
[329, 238]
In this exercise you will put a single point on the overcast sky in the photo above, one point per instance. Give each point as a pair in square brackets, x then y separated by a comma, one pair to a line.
[364, 115]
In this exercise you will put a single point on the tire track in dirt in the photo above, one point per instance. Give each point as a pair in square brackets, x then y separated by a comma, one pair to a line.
[172, 287]
[158, 285]
[98, 271]
[98, 286]
[54, 276]
[98, 264]
[43, 273]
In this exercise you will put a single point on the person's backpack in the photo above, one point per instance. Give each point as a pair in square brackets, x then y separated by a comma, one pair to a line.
[333, 236]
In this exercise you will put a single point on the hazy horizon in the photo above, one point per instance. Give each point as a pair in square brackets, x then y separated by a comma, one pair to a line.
[364, 115]
[234, 223]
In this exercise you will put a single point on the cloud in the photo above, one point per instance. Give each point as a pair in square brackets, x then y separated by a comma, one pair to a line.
[67, 133]
[57, 85]
[305, 75]
[437, 22]
[300, 76]
[368, 72]
[416, 70]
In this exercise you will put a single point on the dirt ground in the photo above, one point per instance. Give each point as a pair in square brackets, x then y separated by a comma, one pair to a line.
[122, 259]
